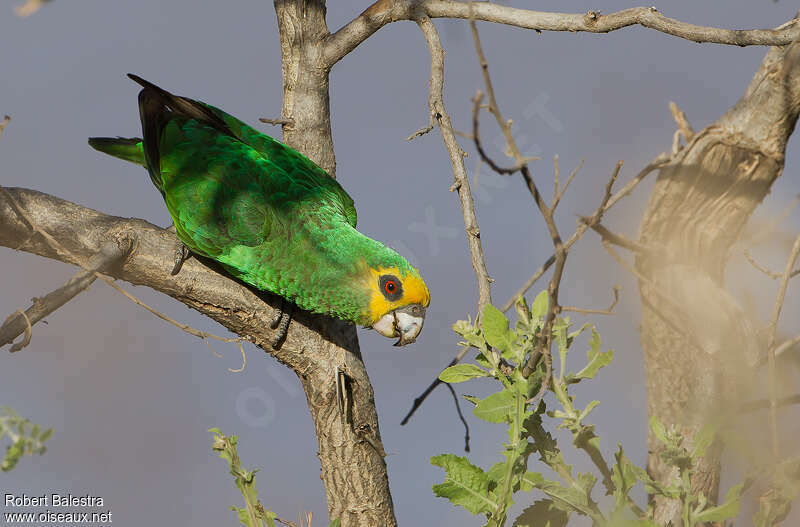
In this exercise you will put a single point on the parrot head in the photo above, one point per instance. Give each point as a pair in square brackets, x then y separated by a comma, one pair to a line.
[397, 302]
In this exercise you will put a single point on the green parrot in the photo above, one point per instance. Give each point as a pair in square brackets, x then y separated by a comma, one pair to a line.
[269, 215]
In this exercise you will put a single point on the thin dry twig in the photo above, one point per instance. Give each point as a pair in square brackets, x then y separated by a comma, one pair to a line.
[439, 115]
[773, 328]
[460, 416]
[608, 311]
[110, 253]
[772, 274]
[546, 210]
[658, 163]
[275, 122]
[558, 194]
[337, 45]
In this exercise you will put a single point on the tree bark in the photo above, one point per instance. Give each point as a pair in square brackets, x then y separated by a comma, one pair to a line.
[351, 455]
[697, 342]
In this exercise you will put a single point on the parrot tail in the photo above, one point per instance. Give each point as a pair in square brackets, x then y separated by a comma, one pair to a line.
[129, 149]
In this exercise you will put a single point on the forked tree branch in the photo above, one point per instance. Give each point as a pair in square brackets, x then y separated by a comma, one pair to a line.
[384, 12]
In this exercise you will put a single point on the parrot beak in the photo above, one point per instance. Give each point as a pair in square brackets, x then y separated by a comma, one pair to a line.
[405, 322]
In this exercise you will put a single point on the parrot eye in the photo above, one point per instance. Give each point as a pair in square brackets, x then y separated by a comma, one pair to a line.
[391, 287]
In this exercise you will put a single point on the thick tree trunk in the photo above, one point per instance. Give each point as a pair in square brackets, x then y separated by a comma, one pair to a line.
[351, 453]
[694, 335]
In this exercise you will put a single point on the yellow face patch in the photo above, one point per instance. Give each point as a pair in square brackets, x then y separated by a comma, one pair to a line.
[390, 289]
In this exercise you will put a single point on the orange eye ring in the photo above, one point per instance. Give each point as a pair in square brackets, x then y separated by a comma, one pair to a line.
[391, 287]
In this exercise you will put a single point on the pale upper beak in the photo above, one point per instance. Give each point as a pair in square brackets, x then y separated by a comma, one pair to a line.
[405, 322]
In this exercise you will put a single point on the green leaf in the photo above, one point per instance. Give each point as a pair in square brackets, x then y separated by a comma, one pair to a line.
[497, 408]
[729, 509]
[568, 499]
[659, 430]
[539, 307]
[465, 484]
[461, 373]
[623, 475]
[591, 406]
[495, 328]
[597, 358]
[335, 523]
[542, 513]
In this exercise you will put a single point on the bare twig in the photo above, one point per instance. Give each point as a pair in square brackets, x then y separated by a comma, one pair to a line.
[782, 348]
[607, 311]
[657, 163]
[546, 211]
[460, 416]
[432, 386]
[460, 184]
[617, 239]
[14, 326]
[558, 194]
[275, 122]
[476, 138]
[440, 115]
[773, 328]
[759, 267]
[383, 12]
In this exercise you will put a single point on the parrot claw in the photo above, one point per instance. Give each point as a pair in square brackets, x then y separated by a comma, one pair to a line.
[181, 255]
[281, 323]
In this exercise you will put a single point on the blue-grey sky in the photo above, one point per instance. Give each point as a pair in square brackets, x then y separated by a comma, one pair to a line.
[131, 398]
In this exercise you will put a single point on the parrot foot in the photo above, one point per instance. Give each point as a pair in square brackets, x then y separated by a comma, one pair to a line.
[281, 323]
[181, 255]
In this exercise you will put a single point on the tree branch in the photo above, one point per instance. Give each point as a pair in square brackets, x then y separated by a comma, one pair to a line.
[384, 12]
[773, 328]
[659, 162]
[460, 181]
[111, 252]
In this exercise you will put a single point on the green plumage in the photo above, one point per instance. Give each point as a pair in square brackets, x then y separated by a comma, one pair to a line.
[267, 213]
